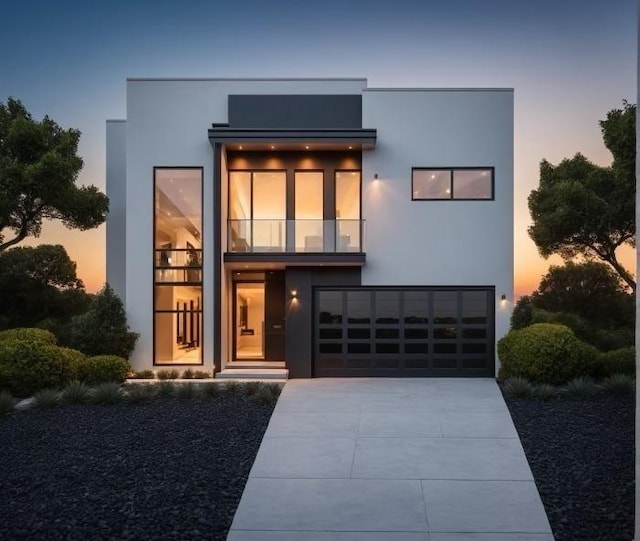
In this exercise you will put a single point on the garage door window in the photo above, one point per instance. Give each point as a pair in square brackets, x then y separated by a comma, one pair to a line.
[420, 331]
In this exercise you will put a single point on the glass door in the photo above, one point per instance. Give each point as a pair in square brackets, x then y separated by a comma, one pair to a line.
[249, 320]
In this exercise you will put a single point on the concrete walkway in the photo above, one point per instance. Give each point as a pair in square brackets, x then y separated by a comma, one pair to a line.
[391, 460]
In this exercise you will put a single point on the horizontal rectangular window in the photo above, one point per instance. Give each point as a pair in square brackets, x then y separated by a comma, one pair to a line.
[465, 183]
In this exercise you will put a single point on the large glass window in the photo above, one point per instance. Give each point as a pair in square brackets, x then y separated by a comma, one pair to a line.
[309, 211]
[178, 266]
[258, 211]
[461, 183]
[348, 225]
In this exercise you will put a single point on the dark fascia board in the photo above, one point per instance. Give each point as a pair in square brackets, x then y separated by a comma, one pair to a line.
[306, 259]
[366, 138]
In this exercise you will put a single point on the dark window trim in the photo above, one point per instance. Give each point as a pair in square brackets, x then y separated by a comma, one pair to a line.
[173, 284]
[452, 195]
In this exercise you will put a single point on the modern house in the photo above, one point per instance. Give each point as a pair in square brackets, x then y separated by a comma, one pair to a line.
[313, 224]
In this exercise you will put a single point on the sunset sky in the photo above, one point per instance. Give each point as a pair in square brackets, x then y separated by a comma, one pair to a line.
[569, 62]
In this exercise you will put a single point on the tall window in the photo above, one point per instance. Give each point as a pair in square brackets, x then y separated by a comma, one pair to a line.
[348, 224]
[178, 266]
[309, 210]
[258, 211]
[445, 184]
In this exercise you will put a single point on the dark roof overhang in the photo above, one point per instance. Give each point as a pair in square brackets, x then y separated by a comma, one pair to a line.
[275, 139]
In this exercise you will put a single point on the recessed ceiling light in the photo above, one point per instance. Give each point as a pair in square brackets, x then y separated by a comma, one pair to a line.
[448, 190]
[239, 147]
[272, 147]
[433, 176]
[307, 147]
[350, 147]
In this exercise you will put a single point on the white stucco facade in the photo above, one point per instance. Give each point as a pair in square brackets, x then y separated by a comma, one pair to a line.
[407, 242]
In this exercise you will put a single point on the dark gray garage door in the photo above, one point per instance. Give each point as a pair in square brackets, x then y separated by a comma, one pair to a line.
[404, 332]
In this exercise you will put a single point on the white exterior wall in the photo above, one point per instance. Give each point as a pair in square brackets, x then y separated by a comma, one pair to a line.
[451, 243]
[167, 123]
[117, 219]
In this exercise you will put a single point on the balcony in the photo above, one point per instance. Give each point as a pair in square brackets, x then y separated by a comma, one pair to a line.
[178, 265]
[295, 236]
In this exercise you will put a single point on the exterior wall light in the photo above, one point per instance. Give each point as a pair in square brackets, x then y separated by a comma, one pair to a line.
[294, 293]
[503, 297]
[375, 176]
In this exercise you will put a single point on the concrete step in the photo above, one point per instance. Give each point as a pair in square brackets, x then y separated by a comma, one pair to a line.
[278, 374]
[255, 364]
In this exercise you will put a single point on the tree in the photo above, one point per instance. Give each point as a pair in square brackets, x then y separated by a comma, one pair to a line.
[39, 167]
[103, 329]
[590, 290]
[39, 284]
[584, 209]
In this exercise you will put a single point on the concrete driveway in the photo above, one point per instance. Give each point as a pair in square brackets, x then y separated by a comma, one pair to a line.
[391, 459]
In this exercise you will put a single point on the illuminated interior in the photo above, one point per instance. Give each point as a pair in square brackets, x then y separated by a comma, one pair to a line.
[178, 266]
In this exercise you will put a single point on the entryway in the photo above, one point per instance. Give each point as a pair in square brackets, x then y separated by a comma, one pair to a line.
[258, 314]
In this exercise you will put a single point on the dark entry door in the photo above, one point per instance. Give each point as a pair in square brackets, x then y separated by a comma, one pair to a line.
[274, 307]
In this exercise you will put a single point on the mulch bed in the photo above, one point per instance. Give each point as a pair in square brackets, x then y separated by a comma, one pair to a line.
[581, 454]
[168, 469]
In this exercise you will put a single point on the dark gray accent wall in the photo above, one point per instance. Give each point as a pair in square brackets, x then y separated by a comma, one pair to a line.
[295, 111]
[299, 327]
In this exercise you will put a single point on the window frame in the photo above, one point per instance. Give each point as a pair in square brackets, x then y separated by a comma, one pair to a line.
[155, 283]
[452, 170]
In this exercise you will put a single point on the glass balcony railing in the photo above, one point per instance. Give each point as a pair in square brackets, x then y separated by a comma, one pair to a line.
[295, 236]
[178, 265]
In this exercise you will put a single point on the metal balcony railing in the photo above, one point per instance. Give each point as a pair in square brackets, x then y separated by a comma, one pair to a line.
[295, 236]
[178, 265]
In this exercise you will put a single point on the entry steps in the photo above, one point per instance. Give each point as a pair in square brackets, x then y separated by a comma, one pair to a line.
[254, 370]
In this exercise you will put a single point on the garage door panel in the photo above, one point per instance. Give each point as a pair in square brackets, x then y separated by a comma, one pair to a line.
[404, 332]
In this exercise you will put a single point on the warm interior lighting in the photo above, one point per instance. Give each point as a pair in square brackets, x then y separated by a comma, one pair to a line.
[272, 147]
[239, 147]
[350, 147]
[307, 147]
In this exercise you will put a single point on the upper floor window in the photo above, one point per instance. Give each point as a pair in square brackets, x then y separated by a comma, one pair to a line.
[462, 183]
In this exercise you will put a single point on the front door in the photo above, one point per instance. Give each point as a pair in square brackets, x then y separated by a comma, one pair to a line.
[259, 317]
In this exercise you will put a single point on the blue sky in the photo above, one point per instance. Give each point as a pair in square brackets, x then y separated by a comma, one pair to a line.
[569, 62]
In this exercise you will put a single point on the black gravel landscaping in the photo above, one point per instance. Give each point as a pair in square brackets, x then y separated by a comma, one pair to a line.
[168, 469]
[581, 453]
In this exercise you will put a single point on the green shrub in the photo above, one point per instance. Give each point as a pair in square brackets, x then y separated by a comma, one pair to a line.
[102, 330]
[544, 391]
[201, 374]
[233, 387]
[109, 392]
[187, 374]
[143, 374]
[619, 361]
[75, 358]
[103, 369]
[619, 383]
[545, 353]
[6, 403]
[522, 314]
[76, 393]
[168, 374]
[581, 387]
[266, 395]
[210, 389]
[251, 387]
[27, 366]
[140, 392]
[186, 390]
[165, 388]
[37, 335]
[518, 387]
[47, 398]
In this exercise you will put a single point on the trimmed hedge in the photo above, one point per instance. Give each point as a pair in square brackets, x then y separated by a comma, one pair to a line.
[619, 361]
[545, 353]
[31, 334]
[103, 369]
[27, 366]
